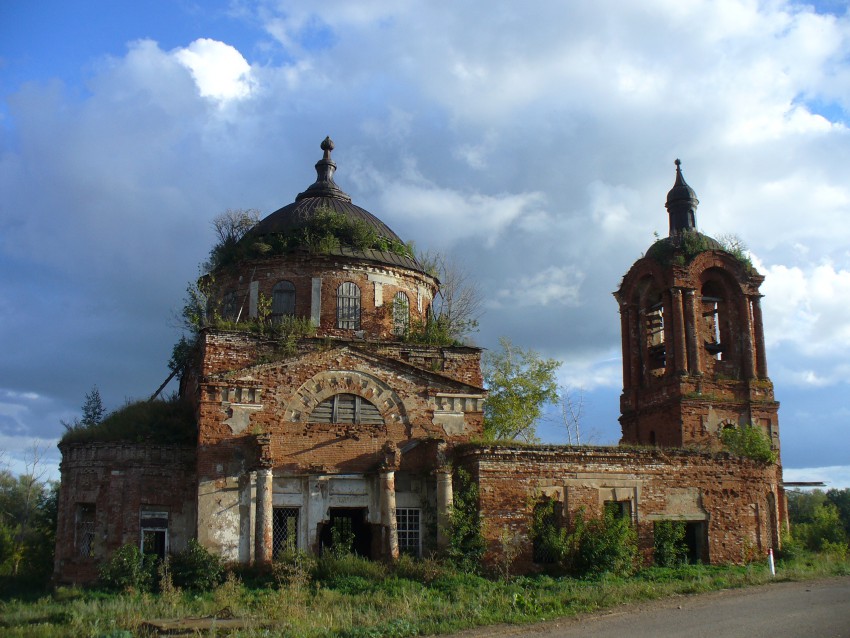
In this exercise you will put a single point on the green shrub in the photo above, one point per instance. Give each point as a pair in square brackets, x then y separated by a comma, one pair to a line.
[670, 548]
[196, 568]
[466, 541]
[606, 545]
[129, 569]
[548, 537]
[750, 442]
[168, 421]
[293, 568]
[329, 567]
[825, 531]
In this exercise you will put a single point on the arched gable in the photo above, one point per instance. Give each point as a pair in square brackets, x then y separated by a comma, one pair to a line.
[325, 385]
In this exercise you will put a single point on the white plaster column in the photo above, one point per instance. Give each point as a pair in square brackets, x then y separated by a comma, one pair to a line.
[445, 499]
[388, 520]
[263, 531]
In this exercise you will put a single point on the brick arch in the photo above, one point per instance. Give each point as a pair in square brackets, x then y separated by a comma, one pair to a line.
[326, 384]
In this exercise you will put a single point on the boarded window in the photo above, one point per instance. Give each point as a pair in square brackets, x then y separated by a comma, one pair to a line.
[401, 314]
[85, 529]
[348, 306]
[346, 408]
[284, 530]
[409, 531]
[283, 299]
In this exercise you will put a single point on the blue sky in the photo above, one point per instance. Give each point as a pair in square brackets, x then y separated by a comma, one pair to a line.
[533, 143]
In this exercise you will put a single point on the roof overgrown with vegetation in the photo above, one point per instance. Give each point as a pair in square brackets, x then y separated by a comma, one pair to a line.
[170, 421]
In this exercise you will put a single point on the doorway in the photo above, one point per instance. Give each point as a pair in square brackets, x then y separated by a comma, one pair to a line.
[347, 530]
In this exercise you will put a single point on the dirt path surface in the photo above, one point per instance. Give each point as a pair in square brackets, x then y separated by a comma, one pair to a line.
[812, 609]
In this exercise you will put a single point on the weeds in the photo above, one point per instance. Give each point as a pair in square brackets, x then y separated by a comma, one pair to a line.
[352, 597]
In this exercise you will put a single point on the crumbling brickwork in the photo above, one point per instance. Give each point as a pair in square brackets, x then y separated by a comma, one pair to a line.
[106, 490]
[735, 500]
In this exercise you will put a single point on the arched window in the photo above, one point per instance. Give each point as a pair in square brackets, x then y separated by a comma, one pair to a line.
[348, 306]
[283, 299]
[346, 408]
[401, 314]
[713, 316]
[655, 347]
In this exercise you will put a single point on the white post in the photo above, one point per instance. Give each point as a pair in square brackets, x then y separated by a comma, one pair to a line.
[770, 562]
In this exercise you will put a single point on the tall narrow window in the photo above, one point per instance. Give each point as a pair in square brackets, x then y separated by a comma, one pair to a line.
[85, 529]
[284, 530]
[348, 306]
[229, 310]
[409, 531]
[283, 300]
[154, 533]
[401, 314]
[655, 346]
[712, 311]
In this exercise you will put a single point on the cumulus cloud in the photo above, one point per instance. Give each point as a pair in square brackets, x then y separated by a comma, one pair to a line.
[219, 69]
[536, 145]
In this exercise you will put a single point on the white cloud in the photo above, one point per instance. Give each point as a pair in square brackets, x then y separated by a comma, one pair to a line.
[835, 476]
[219, 69]
[554, 286]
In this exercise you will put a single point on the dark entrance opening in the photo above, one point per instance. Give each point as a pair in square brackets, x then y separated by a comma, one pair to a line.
[695, 540]
[153, 542]
[347, 530]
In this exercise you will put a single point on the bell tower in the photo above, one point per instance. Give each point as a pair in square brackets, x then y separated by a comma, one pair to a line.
[693, 342]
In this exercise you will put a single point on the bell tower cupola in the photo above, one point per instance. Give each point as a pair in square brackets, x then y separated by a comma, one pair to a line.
[692, 336]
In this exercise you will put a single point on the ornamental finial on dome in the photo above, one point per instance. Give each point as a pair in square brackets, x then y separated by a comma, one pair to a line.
[324, 186]
[681, 204]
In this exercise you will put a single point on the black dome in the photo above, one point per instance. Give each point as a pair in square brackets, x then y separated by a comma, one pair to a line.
[324, 195]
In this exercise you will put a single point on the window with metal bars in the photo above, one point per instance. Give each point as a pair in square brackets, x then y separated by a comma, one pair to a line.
[284, 530]
[346, 408]
[409, 531]
[283, 299]
[348, 306]
[401, 314]
[85, 529]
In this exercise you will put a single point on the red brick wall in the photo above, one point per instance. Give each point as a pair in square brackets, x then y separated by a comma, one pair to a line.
[119, 479]
[732, 492]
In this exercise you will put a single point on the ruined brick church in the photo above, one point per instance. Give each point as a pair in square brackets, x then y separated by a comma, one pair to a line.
[357, 428]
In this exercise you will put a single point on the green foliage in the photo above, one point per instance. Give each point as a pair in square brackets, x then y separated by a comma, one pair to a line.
[606, 545]
[748, 441]
[128, 569]
[161, 421]
[196, 568]
[230, 227]
[92, 412]
[342, 538]
[686, 245]
[549, 538]
[520, 383]
[824, 532]
[670, 548]
[293, 568]
[332, 566]
[466, 541]
[841, 500]
[435, 331]
[28, 507]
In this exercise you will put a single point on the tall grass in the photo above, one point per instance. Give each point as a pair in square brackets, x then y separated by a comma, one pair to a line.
[353, 598]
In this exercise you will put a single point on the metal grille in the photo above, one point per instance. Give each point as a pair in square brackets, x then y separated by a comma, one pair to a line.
[409, 534]
[283, 299]
[85, 529]
[284, 530]
[401, 314]
[348, 306]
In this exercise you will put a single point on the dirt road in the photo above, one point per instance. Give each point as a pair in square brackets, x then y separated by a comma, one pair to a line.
[812, 609]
